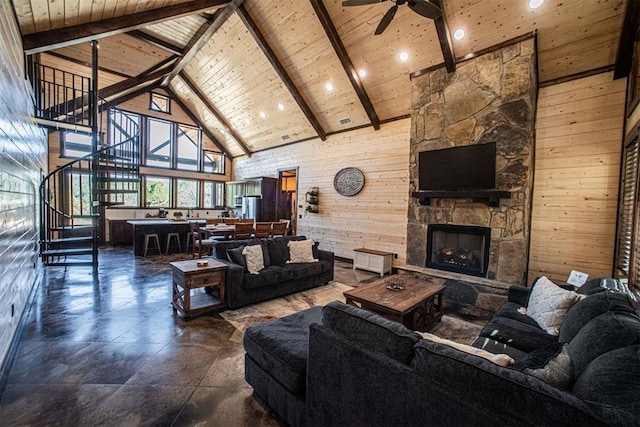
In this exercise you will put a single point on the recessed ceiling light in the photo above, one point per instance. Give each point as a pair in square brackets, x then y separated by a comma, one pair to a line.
[404, 56]
[534, 4]
[329, 87]
[362, 73]
[263, 114]
[281, 107]
[458, 34]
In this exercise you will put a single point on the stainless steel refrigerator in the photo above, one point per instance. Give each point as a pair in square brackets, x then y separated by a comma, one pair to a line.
[251, 207]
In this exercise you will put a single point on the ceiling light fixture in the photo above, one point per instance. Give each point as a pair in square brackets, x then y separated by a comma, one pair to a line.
[404, 56]
[329, 87]
[263, 114]
[362, 73]
[281, 107]
[534, 4]
[458, 34]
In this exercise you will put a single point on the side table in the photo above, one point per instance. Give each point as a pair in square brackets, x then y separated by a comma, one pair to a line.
[187, 275]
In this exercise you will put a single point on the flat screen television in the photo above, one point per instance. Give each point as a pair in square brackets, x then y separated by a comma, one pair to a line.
[472, 167]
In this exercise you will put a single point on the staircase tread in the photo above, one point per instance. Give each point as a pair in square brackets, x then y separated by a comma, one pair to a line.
[81, 239]
[76, 263]
[71, 227]
[67, 252]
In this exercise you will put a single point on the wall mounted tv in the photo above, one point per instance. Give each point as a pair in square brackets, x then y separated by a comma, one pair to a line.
[472, 167]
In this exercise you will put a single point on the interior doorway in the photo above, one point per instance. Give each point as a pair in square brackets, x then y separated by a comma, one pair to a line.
[286, 202]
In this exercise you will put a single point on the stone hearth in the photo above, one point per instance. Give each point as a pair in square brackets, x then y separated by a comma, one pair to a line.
[490, 98]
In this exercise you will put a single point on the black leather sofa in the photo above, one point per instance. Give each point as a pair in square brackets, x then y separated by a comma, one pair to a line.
[278, 278]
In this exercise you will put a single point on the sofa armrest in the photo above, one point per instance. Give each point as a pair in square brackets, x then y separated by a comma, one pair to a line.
[234, 276]
[519, 295]
[327, 256]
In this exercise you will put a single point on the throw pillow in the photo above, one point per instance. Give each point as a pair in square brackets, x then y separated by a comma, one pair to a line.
[301, 251]
[255, 260]
[549, 303]
[499, 359]
[235, 256]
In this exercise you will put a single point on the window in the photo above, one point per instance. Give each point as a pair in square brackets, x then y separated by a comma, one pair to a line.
[158, 143]
[213, 194]
[161, 103]
[126, 194]
[80, 190]
[213, 162]
[187, 193]
[627, 207]
[75, 144]
[158, 192]
[188, 148]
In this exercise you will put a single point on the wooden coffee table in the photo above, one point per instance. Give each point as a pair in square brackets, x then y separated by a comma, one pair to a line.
[187, 275]
[418, 306]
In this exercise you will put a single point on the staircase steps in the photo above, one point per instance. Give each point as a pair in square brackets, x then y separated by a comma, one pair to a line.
[71, 262]
[66, 252]
[70, 240]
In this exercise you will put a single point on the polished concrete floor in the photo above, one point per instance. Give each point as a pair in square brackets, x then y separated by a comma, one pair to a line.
[109, 350]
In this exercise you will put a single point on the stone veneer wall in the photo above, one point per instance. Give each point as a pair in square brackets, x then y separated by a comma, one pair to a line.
[490, 98]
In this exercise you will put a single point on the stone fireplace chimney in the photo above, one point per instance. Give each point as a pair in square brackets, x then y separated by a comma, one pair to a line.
[489, 98]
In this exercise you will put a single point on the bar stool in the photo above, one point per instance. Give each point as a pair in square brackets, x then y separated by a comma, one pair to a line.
[189, 241]
[147, 239]
[175, 236]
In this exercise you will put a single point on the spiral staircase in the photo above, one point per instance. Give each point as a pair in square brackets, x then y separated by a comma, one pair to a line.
[73, 197]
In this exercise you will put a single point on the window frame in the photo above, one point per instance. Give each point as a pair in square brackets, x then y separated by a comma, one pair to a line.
[167, 98]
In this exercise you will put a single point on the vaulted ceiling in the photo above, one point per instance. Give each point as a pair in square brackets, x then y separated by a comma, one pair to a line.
[254, 73]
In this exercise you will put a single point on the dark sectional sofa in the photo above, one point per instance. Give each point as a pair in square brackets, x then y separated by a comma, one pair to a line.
[278, 278]
[341, 365]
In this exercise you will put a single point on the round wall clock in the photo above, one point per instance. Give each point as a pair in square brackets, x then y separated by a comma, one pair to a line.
[348, 181]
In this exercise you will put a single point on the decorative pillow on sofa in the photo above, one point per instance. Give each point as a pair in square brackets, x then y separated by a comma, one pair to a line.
[499, 359]
[549, 303]
[235, 256]
[253, 256]
[301, 251]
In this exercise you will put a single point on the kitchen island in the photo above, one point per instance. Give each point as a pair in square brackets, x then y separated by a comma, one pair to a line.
[161, 227]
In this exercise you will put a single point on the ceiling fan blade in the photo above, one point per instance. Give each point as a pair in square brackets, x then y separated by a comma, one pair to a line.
[386, 20]
[425, 8]
[360, 2]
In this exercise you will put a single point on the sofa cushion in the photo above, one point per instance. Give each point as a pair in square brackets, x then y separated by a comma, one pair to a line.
[602, 334]
[549, 303]
[589, 308]
[280, 347]
[521, 335]
[306, 269]
[497, 347]
[371, 331]
[514, 311]
[611, 384]
[278, 250]
[268, 276]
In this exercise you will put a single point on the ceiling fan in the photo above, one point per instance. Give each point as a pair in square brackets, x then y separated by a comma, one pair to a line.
[421, 7]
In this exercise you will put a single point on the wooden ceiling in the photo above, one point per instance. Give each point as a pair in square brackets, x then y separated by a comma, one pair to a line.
[254, 73]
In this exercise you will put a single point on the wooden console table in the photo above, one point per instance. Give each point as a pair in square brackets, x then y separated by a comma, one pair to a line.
[418, 306]
[187, 275]
[372, 260]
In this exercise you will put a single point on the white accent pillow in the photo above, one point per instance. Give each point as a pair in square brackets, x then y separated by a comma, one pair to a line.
[301, 251]
[253, 256]
[549, 303]
[499, 359]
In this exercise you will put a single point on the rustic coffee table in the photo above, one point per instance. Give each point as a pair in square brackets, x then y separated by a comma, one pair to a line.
[418, 306]
[187, 275]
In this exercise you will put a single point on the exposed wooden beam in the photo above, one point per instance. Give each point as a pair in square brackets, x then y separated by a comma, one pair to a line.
[155, 41]
[628, 37]
[67, 36]
[207, 103]
[444, 37]
[280, 70]
[126, 97]
[197, 121]
[202, 36]
[341, 51]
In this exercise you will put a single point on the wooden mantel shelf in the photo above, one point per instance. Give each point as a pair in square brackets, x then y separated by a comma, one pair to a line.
[490, 197]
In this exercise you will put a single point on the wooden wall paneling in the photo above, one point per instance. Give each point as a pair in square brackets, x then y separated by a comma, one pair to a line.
[375, 218]
[22, 160]
[178, 31]
[104, 78]
[577, 172]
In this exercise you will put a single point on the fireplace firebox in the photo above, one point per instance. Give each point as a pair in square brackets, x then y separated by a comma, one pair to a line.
[459, 248]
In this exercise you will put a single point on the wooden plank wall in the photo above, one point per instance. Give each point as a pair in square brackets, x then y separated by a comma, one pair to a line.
[23, 150]
[575, 195]
[376, 218]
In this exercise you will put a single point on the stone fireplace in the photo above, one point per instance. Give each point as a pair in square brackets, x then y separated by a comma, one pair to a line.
[489, 98]
[460, 248]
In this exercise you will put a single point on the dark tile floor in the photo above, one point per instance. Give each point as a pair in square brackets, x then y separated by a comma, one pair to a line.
[108, 350]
